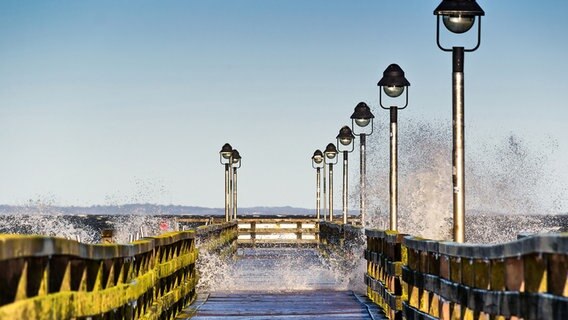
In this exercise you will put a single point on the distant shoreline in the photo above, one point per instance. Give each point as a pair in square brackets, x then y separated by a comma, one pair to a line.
[149, 209]
[177, 210]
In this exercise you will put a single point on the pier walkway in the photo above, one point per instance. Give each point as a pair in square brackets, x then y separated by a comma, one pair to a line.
[206, 273]
[292, 305]
[281, 283]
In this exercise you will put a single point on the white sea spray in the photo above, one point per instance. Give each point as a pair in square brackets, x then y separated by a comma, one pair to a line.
[509, 179]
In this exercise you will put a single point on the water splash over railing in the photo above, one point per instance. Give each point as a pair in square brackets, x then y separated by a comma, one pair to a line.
[54, 278]
[507, 176]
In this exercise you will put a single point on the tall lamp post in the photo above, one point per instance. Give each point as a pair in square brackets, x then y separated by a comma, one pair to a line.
[226, 159]
[330, 159]
[360, 120]
[458, 16]
[393, 84]
[317, 163]
[324, 190]
[235, 164]
[345, 144]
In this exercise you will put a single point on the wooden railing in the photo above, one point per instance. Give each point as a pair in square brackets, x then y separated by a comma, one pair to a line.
[340, 235]
[415, 278]
[278, 231]
[54, 278]
[384, 270]
[218, 238]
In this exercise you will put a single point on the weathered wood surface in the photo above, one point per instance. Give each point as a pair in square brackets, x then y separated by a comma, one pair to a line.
[278, 269]
[281, 283]
[281, 231]
[427, 279]
[290, 305]
[43, 277]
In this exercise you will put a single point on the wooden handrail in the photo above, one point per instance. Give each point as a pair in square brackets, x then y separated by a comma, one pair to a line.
[54, 278]
[278, 231]
[526, 278]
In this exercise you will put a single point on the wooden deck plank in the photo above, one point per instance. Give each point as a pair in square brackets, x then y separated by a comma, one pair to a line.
[281, 283]
[318, 304]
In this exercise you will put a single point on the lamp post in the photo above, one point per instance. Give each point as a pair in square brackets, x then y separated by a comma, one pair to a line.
[225, 156]
[324, 191]
[393, 84]
[317, 163]
[345, 143]
[235, 164]
[360, 120]
[330, 159]
[458, 16]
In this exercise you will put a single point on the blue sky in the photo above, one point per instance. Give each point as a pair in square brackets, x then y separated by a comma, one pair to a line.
[130, 101]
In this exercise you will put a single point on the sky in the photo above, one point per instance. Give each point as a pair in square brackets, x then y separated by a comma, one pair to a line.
[111, 102]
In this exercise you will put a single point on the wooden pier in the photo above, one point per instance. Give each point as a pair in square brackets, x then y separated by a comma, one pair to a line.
[405, 278]
[280, 231]
[338, 305]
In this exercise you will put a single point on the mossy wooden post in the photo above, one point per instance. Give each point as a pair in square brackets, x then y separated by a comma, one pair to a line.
[107, 236]
[384, 255]
[54, 278]
[499, 281]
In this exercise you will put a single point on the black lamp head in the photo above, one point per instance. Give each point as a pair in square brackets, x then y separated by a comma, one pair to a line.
[393, 83]
[330, 154]
[362, 115]
[226, 153]
[318, 156]
[459, 8]
[317, 159]
[345, 139]
[236, 156]
[458, 16]
[345, 135]
[393, 76]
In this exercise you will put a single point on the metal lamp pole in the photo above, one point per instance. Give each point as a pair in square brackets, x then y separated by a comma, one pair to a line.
[360, 120]
[225, 156]
[345, 143]
[330, 159]
[317, 163]
[236, 163]
[324, 192]
[393, 84]
[458, 16]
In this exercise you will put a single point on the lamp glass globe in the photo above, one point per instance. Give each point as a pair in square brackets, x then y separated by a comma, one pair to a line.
[362, 122]
[458, 24]
[345, 141]
[393, 91]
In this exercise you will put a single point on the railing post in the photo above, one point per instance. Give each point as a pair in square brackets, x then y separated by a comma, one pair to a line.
[107, 236]
[37, 268]
[253, 233]
[449, 280]
[384, 257]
